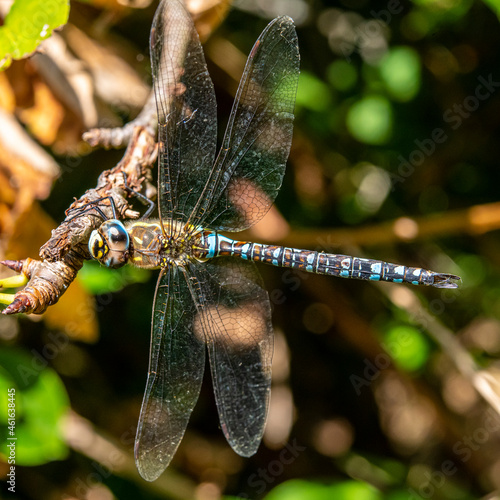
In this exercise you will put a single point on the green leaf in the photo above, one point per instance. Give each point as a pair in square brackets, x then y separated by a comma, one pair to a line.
[27, 24]
[407, 346]
[298, 489]
[369, 120]
[429, 15]
[342, 75]
[41, 403]
[494, 5]
[312, 93]
[400, 72]
[97, 279]
[354, 490]
[307, 490]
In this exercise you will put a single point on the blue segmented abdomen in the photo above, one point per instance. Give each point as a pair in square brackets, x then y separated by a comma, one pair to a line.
[342, 266]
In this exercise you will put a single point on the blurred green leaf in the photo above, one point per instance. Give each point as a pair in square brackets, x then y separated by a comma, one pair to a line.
[342, 75]
[400, 72]
[97, 279]
[41, 403]
[402, 495]
[490, 301]
[299, 490]
[354, 490]
[27, 24]
[369, 120]
[307, 490]
[430, 14]
[407, 346]
[5, 385]
[313, 93]
[494, 5]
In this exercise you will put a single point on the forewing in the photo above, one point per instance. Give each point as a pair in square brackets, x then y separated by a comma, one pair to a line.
[187, 119]
[176, 365]
[250, 166]
[235, 322]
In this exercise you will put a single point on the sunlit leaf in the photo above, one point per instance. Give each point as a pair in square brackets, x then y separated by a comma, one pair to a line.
[97, 279]
[27, 24]
[400, 71]
[299, 490]
[312, 93]
[430, 14]
[494, 5]
[307, 490]
[369, 120]
[407, 346]
[354, 490]
[41, 403]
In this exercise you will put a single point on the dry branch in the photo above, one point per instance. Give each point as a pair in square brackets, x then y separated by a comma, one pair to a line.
[64, 253]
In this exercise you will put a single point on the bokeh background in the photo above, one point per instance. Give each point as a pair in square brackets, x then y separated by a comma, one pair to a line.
[380, 391]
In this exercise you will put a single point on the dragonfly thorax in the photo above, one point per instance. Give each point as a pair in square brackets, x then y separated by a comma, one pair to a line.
[153, 246]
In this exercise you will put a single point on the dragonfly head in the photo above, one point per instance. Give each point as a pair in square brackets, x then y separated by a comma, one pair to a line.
[110, 244]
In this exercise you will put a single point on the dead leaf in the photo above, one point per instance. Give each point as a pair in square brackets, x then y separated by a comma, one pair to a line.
[208, 15]
[44, 118]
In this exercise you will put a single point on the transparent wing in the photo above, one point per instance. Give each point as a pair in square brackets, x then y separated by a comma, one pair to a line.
[177, 362]
[249, 169]
[242, 184]
[235, 321]
[187, 119]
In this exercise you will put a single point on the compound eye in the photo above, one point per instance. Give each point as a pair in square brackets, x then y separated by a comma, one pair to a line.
[110, 244]
[116, 234]
[97, 245]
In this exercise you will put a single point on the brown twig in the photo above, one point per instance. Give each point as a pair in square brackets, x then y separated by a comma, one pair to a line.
[65, 251]
[135, 164]
[118, 137]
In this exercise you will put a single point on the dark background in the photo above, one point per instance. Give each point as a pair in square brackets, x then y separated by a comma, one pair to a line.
[394, 157]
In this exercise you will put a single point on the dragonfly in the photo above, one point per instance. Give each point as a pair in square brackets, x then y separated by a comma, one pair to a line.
[210, 296]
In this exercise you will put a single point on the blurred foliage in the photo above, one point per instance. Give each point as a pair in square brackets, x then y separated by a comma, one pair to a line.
[41, 403]
[305, 490]
[370, 120]
[394, 157]
[27, 24]
[407, 346]
[97, 279]
[400, 72]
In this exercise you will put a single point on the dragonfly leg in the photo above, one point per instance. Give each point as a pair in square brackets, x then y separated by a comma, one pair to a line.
[84, 208]
[151, 204]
